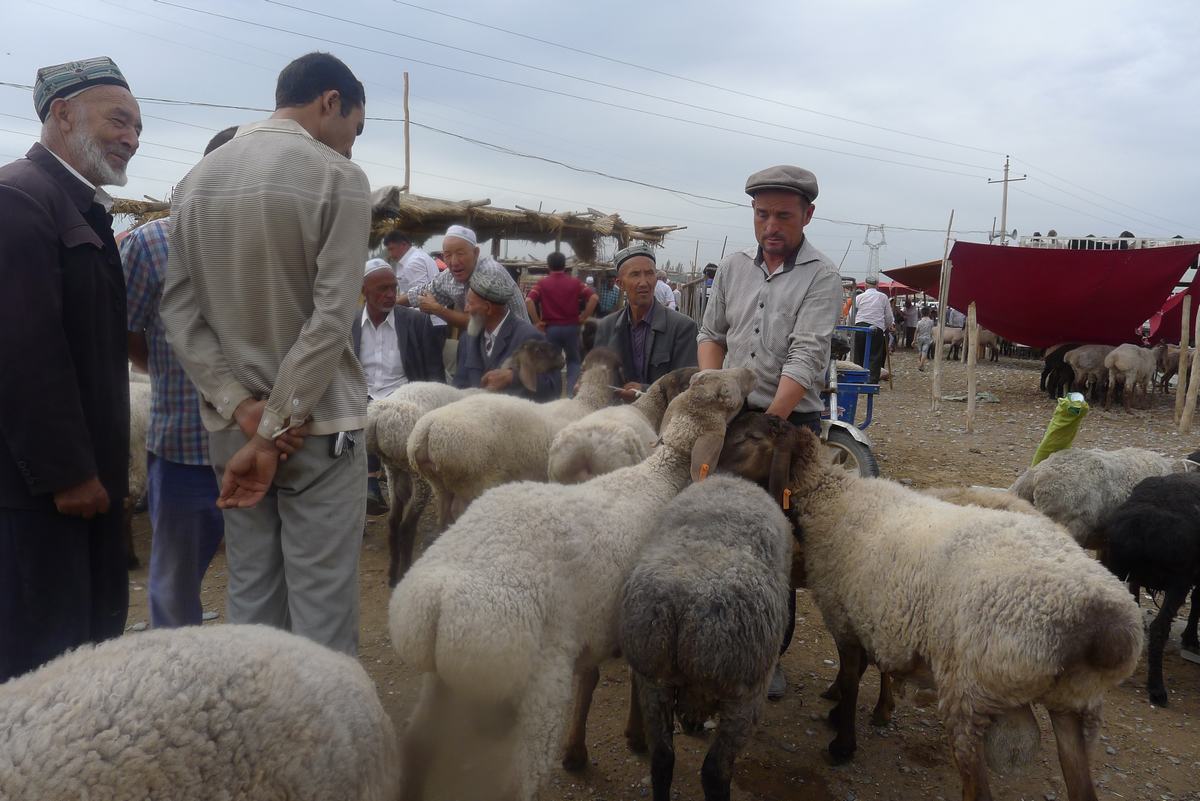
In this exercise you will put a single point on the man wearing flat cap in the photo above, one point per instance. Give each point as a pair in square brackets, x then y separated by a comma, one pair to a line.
[773, 309]
[493, 334]
[651, 339]
[64, 398]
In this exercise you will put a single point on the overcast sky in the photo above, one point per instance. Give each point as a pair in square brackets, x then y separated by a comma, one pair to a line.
[1096, 103]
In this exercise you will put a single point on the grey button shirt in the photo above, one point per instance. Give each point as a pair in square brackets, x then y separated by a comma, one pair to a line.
[776, 324]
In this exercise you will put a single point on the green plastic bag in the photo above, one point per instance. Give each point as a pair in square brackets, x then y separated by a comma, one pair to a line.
[1064, 425]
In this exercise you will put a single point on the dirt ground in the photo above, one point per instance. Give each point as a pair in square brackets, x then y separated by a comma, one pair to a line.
[1145, 752]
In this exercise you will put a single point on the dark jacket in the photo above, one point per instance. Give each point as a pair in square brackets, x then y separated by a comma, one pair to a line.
[473, 363]
[420, 344]
[64, 378]
[672, 342]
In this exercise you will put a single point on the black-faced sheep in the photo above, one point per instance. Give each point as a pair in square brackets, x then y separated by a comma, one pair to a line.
[1000, 609]
[1057, 375]
[1153, 540]
[702, 618]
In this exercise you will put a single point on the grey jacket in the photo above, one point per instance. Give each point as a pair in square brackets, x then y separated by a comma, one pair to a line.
[671, 343]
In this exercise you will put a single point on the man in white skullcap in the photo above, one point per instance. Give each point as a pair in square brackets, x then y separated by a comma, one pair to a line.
[446, 295]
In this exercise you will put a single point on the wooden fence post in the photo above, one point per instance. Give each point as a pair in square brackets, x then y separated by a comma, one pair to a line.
[1184, 330]
[971, 343]
[1189, 406]
[943, 292]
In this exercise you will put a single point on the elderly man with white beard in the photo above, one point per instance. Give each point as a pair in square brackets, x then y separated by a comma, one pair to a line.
[64, 399]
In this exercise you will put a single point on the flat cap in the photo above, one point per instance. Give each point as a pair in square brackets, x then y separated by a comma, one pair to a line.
[493, 286]
[639, 249]
[786, 178]
[68, 80]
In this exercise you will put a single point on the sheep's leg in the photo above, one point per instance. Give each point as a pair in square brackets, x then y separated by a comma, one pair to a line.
[1190, 639]
[834, 691]
[882, 715]
[852, 659]
[965, 729]
[658, 707]
[444, 500]
[575, 757]
[541, 719]
[635, 726]
[407, 529]
[1160, 630]
[401, 484]
[738, 718]
[420, 738]
[1072, 754]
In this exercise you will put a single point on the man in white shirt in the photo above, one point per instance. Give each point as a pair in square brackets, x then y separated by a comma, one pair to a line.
[414, 267]
[663, 293]
[872, 309]
[395, 345]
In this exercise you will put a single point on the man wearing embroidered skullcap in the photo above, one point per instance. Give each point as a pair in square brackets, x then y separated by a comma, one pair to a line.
[651, 338]
[493, 334]
[64, 396]
[268, 240]
[773, 309]
[446, 295]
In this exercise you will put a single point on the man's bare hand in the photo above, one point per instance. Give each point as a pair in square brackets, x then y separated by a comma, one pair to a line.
[248, 415]
[629, 392]
[249, 474]
[496, 380]
[291, 441]
[541, 326]
[85, 500]
[429, 304]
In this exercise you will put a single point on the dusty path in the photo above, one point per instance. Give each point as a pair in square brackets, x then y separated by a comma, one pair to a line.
[1147, 753]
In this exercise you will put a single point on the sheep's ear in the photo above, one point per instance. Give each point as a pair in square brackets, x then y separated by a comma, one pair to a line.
[705, 454]
[781, 472]
[527, 374]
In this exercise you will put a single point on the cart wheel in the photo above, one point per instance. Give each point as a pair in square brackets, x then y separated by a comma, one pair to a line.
[851, 455]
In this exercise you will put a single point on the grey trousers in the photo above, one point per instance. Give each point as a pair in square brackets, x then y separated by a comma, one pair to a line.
[293, 559]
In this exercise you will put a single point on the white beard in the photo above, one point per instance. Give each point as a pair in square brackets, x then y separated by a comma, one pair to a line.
[475, 325]
[89, 151]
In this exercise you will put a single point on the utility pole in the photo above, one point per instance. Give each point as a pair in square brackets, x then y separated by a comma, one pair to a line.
[407, 146]
[1004, 200]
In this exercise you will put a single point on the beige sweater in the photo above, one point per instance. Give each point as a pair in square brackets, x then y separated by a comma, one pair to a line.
[268, 240]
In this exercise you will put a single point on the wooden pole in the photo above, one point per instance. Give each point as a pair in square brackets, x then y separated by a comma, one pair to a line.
[696, 258]
[970, 342]
[844, 255]
[724, 245]
[407, 146]
[1184, 330]
[943, 291]
[1193, 387]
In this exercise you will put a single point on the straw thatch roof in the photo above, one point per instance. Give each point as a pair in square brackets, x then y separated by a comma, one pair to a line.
[421, 217]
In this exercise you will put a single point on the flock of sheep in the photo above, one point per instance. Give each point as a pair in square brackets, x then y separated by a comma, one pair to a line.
[668, 533]
[1104, 371]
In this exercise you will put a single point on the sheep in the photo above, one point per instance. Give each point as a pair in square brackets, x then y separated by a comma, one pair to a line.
[1167, 360]
[1128, 368]
[1078, 487]
[139, 423]
[524, 589]
[1001, 610]
[703, 616]
[197, 713]
[483, 441]
[615, 436]
[390, 421]
[1057, 376]
[1153, 540]
[982, 496]
[1087, 364]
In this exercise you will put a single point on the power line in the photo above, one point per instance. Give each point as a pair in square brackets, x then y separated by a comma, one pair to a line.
[144, 155]
[637, 92]
[1051, 186]
[547, 90]
[705, 84]
[1068, 208]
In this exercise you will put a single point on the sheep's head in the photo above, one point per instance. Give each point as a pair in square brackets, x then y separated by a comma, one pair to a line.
[534, 357]
[672, 385]
[696, 419]
[769, 451]
[604, 366]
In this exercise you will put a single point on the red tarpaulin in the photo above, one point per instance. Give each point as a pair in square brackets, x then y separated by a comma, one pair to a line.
[1043, 296]
[1165, 325]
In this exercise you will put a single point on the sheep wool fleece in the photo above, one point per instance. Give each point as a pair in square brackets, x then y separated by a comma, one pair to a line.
[214, 713]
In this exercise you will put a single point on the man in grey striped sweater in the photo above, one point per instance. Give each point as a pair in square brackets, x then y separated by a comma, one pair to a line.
[268, 237]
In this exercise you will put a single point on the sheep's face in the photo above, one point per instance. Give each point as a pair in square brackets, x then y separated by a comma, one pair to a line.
[673, 384]
[534, 357]
[606, 360]
[709, 403]
[769, 451]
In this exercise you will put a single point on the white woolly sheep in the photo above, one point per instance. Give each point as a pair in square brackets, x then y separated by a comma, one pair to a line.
[523, 591]
[486, 440]
[1087, 363]
[197, 713]
[1129, 367]
[390, 421]
[1001, 610]
[615, 436]
[982, 496]
[1078, 487]
[703, 616]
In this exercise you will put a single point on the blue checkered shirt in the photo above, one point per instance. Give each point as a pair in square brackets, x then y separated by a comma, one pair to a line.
[175, 432]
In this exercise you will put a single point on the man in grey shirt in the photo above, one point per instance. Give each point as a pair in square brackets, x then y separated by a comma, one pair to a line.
[773, 310]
